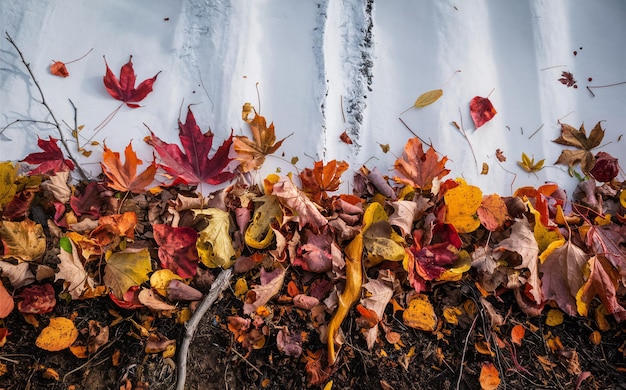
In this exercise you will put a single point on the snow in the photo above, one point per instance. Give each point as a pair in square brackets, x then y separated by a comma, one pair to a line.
[325, 67]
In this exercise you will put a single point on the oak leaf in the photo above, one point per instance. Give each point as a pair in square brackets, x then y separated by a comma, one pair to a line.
[58, 335]
[123, 177]
[123, 89]
[563, 276]
[127, 269]
[567, 79]
[177, 249]
[193, 166]
[51, 160]
[214, 245]
[419, 169]
[23, 240]
[252, 152]
[481, 110]
[322, 178]
[578, 138]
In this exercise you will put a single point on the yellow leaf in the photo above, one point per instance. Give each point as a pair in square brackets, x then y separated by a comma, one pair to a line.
[462, 203]
[484, 348]
[554, 317]
[241, 287]
[58, 335]
[8, 173]
[215, 247]
[161, 278]
[127, 269]
[23, 240]
[451, 315]
[420, 314]
[529, 164]
[489, 377]
[428, 98]
[259, 234]
[548, 240]
[462, 264]
[622, 198]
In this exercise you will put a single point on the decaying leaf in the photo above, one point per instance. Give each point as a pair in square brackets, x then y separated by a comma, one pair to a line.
[303, 210]
[567, 79]
[529, 164]
[23, 240]
[58, 335]
[261, 294]
[420, 314]
[214, 245]
[8, 188]
[418, 169]
[58, 68]
[578, 139]
[602, 282]
[517, 334]
[492, 212]
[126, 269]
[481, 110]
[322, 178]
[252, 152]
[259, 233]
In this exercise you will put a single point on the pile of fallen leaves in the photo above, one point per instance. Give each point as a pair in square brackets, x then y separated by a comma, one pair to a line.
[299, 249]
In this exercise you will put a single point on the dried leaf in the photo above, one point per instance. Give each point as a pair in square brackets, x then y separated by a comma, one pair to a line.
[214, 245]
[259, 234]
[23, 240]
[489, 377]
[194, 166]
[252, 152]
[304, 211]
[58, 335]
[123, 177]
[177, 249]
[57, 68]
[605, 168]
[124, 88]
[420, 314]
[147, 297]
[6, 302]
[428, 98]
[529, 164]
[419, 169]
[263, 293]
[578, 138]
[517, 334]
[567, 79]
[345, 138]
[127, 269]
[19, 275]
[554, 317]
[322, 178]
[8, 188]
[462, 204]
[492, 212]
[602, 282]
[500, 155]
[481, 110]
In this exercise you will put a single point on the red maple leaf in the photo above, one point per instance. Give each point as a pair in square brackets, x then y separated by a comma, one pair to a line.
[51, 160]
[567, 79]
[124, 88]
[177, 249]
[194, 166]
[482, 110]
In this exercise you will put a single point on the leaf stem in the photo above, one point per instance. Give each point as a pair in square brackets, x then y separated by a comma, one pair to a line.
[78, 59]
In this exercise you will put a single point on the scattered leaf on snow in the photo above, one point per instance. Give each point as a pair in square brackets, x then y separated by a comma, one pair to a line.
[578, 139]
[51, 160]
[252, 152]
[481, 110]
[428, 98]
[529, 164]
[123, 89]
[419, 169]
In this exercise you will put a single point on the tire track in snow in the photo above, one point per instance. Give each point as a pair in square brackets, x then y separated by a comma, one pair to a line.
[347, 51]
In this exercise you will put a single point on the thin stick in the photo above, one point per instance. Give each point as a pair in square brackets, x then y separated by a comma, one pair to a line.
[219, 285]
[27, 121]
[458, 382]
[258, 96]
[412, 132]
[467, 138]
[536, 131]
[552, 67]
[78, 59]
[80, 170]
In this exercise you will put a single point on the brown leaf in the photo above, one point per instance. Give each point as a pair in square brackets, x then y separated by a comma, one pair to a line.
[492, 212]
[23, 240]
[567, 79]
[123, 177]
[322, 178]
[303, 209]
[602, 282]
[6, 302]
[578, 139]
[345, 138]
[418, 169]
[263, 293]
[252, 152]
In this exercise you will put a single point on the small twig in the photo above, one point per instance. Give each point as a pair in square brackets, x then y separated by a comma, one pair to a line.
[219, 285]
[56, 123]
[552, 67]
[255, 368]
[343, 114]
[590, 87]
[78, 59]
[412, 132]
[258, 96]
[27, 121]
[458, 382]
[462, 129]
[536, 131]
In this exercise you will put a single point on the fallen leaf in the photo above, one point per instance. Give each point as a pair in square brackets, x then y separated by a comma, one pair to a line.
[605, 167]
[500, 155]
[485, 169]
[554, 317]
[264, 292]
[462, 204]
[419, 169]
[51, 160]
[492, 212]
[252, 152]
[303, 210]
[345, 138]
[259, 234]
[58, 335]
[124, 88]
[420, 314]
[8, 188]
[123, 177]
[126, 269]
[289, 343]
[489, 377]
[481, 110]
[36, 299]
[147, 298]
[322, 178]
[23, 240]
[194, 166]
[57, 185]
[428, 98]
[602, 282]
[529, 164]
[517, 334]
[19, 275]
[177, 249]
[160, 280]
[578, 138]
[6, 302]
[567, 79]
[214, 245]
[58, 68]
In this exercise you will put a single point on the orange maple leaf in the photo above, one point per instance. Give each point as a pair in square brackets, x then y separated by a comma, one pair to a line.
[123, 177]
[252, 152]
[322, 178]
[418, 169]
[58, 69]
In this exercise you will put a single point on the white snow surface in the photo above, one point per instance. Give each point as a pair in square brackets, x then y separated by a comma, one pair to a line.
[324, 67]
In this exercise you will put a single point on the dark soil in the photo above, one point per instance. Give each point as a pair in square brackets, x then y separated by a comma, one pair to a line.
[422, 360]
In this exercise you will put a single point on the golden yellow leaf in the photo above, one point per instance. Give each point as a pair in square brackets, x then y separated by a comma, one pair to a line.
[622, 198]
[215, 247]
[420, 314]
[23, 240]
[161, 278]
[259, 234]
[8, 188]
[462, 264]
[58, 335]
[548, 240]
[127, 269]
[601, 321]
[241, 287]
[484, 348]
[489, 377]
[462, 204]
[554, 317]
[451, 315]
[428, 98]
[529, 164]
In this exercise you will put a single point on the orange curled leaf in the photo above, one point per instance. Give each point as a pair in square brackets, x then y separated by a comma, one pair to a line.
[322, 178]
[252, 152]
[517, 334]
[123, 177]
[482, 110]
[418, 169]
[58, 68]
